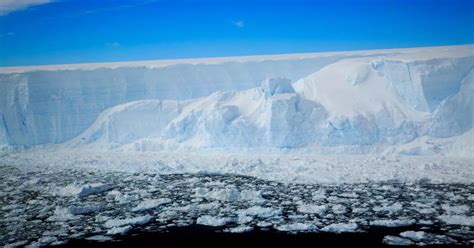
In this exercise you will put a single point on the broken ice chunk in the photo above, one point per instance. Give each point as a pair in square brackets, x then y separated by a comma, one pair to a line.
[208, 220]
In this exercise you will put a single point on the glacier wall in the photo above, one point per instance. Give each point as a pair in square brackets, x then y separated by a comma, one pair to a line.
[455, 114]
[52, 106]
[346, 103]
[424, 84]
[348, 98]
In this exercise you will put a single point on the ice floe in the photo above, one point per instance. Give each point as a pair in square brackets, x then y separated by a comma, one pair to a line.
[340, 227]
[150, 204]
[457, 219]
[394, 240]
[139, 220]
[259, 211]
[119, 230]
[393, 223]
[84, 190]
[312, 209]
[297, 227]
[208, 220]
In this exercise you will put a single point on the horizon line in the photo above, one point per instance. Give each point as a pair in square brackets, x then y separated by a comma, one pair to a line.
[192, 60]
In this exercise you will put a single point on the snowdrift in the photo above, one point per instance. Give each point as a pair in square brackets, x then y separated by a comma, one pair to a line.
[360, 101]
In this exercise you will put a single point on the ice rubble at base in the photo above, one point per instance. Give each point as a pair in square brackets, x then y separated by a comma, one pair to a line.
[291, 167]
[359, 102]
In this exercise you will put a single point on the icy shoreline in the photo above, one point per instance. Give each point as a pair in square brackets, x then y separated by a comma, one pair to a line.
[281, 167]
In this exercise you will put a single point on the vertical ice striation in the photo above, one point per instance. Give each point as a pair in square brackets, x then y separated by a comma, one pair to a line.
[425, 84]
[455, 115]
[273, 86]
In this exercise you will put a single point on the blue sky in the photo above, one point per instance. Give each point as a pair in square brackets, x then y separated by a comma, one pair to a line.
[34, 32]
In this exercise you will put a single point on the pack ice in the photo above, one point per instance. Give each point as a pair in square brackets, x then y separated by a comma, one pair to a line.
[409, 101]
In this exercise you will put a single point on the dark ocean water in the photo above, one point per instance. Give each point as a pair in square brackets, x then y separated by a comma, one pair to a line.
[204, 236]
[49, 208]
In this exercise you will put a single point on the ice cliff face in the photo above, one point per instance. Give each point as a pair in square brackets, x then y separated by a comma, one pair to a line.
[351, 99]
[265, 116]
[455, 114]
[51, 105]
[424, 84]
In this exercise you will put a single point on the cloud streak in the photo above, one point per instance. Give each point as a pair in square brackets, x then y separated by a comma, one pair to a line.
[119, 7]
[9, 6]
[239, 24]
[113, 44]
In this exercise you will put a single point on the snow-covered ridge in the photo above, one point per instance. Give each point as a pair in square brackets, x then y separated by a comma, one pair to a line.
[362, 98]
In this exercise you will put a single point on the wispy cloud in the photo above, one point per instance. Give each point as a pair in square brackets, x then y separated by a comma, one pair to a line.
[9, 6]
[118, 7]
[113, 8]
[113, 44]
[239, 24]
[8, 34]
